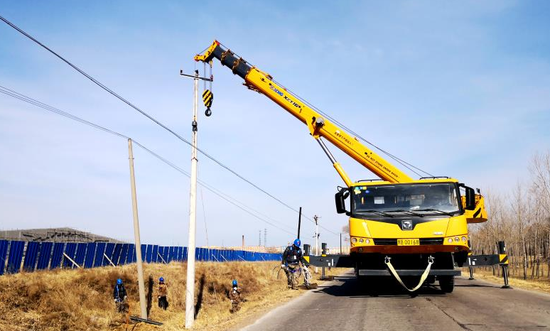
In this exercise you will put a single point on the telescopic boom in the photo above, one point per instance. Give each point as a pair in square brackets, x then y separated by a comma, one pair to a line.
[319, 126]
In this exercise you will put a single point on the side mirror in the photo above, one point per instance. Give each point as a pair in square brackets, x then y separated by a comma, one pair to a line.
[470, 198]
[340, 199]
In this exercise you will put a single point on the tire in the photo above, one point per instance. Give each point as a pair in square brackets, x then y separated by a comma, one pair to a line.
[447, 283]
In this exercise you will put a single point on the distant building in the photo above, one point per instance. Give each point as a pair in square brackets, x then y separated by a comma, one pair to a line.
[55, 235]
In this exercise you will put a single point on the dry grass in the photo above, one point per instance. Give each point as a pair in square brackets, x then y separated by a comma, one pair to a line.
[540, 285]
[82, 299]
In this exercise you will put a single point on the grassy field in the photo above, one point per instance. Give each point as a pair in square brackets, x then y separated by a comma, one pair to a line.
[82, 299]
[541, 284]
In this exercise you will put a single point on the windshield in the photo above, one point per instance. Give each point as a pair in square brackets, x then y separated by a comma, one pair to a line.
[412, 198]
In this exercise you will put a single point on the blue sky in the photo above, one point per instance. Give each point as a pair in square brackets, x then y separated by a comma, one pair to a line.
[455, 88]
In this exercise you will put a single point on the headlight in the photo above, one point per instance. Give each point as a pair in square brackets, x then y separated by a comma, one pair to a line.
[464, 238]
[367, 241]
[353, 240]
[457, 239]
[361, 240]
[450, 240]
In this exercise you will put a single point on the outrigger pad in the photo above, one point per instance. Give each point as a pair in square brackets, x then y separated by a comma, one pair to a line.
[312, 286]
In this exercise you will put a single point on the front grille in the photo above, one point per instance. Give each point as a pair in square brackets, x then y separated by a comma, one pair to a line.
[423, 241]
[431, 241]
[385, 241]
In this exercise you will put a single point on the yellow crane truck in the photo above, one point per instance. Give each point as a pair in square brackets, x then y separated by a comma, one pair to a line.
[398, 226]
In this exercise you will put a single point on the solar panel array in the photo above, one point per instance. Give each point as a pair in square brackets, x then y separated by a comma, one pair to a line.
[30, 256]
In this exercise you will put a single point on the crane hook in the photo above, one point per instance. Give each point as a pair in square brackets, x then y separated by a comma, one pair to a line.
[207, 97]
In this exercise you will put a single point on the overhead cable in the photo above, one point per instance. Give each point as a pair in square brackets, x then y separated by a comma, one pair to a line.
[98, 83]
[212, 189]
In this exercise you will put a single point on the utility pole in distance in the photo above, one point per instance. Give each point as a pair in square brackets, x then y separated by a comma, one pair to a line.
[316, 219]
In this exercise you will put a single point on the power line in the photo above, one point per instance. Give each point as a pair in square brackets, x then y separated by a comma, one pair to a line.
[220, 194]
[98, 83]
[110, 91]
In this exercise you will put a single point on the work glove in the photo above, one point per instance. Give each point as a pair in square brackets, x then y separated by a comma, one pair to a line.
[115, 300]
[282, 266]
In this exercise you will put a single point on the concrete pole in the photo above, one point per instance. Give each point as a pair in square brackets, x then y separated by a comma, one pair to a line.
[190, 294]
[316, 218]
[141, 283]
[299, 222]
[340, 243]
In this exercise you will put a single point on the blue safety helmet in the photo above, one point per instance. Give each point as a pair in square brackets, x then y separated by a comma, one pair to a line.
[119, 281]
[297, 242]
[161, 279]
[234, 282]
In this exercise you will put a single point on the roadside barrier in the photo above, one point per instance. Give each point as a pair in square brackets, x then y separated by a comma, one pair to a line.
[490, 260]
[16, 256]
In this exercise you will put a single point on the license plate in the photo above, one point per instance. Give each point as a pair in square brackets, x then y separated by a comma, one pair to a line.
[408, 242]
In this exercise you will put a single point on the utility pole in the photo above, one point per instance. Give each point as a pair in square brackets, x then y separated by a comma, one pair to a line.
[243, 242]
[316, 219]
[141, 283]
[340, 242]
[190, 293]
[299, 222]
[265, 237]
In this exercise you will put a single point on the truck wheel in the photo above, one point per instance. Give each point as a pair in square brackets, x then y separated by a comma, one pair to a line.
[447, 283]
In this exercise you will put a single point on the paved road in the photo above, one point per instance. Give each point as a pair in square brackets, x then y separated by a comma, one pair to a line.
[343, 304]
